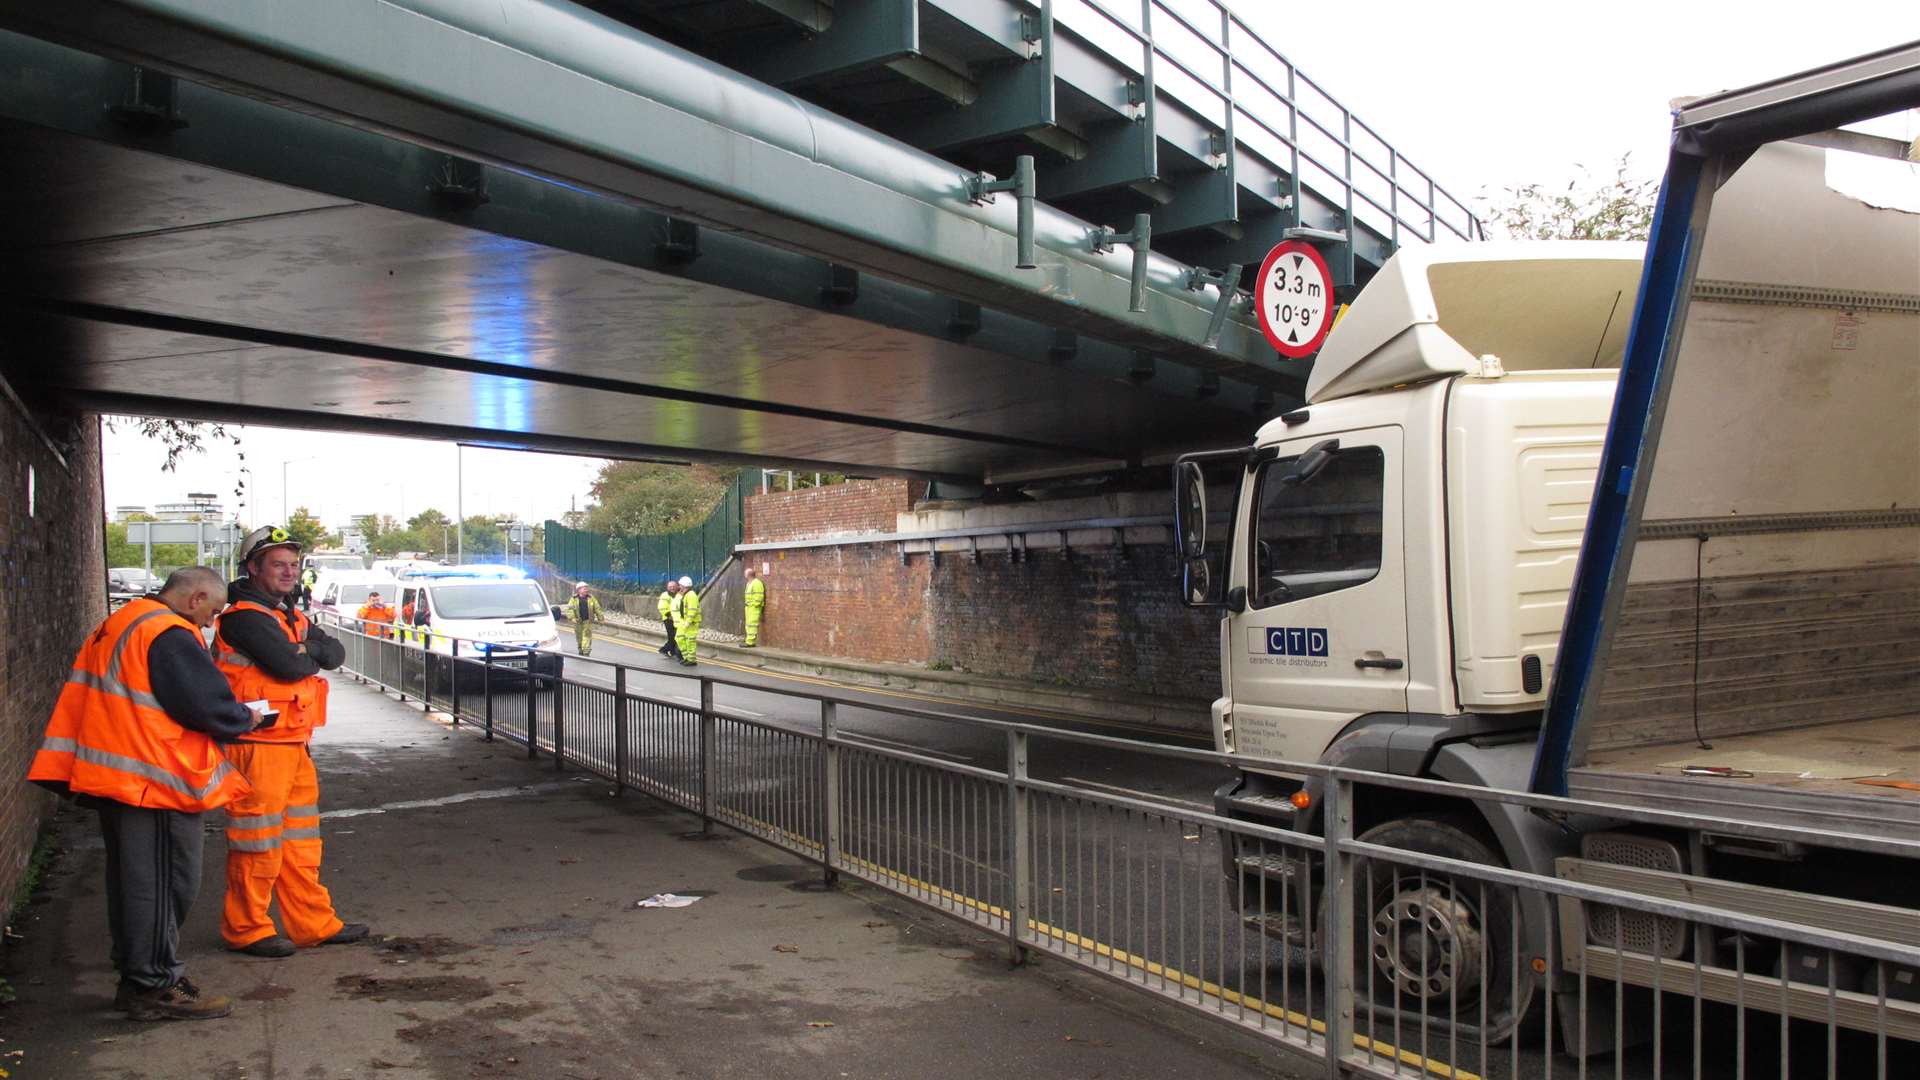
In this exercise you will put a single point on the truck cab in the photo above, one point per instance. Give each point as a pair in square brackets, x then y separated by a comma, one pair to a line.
[1402, 546]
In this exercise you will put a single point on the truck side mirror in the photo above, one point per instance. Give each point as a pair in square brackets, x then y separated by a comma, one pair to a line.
[1309, 464]
[1189, 510]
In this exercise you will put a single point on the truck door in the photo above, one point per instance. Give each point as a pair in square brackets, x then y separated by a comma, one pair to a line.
[1323, 638]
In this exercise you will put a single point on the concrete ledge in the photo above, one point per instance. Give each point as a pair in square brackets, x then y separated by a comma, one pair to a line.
[1184, 715]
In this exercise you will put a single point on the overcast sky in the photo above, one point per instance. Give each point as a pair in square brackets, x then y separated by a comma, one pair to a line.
[1482, 96]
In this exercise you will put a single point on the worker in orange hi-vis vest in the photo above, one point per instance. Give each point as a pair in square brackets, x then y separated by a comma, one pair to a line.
[133, 737]
[376, 616]
[268, 649]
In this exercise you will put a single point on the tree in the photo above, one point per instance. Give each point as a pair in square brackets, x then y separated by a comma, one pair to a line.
[641, 497]
[1619, 207]
[178, 436]
[484, 536]
[304, 528]
[432, 533]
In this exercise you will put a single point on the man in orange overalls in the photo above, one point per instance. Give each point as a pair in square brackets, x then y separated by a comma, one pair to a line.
[268, 649]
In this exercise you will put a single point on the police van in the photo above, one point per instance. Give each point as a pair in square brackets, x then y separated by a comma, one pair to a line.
[495, 613]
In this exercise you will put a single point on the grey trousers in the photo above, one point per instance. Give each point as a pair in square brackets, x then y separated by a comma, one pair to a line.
[153, 872]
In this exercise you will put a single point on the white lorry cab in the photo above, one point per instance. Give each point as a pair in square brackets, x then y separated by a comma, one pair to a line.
[1405, 542]
[492, 612]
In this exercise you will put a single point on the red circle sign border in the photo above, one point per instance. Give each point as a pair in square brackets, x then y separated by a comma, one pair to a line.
[1291, 247]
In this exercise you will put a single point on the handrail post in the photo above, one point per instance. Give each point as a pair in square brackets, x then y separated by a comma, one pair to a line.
[619, 728]
[453, 679]
[706, 756]
[1336, 949]
[533, 723]
[1019, 869]
[830, 789]
[487, 674]
[560, 719]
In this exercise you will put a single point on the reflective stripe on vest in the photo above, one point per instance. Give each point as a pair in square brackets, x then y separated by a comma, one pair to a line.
[121, 763]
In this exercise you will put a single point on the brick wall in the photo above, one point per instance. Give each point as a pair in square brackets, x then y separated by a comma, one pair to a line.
[54, 594]
[1094, 619]
[858, 506]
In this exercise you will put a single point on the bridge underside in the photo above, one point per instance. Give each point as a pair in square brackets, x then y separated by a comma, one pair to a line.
[174, 270]
[530, 226]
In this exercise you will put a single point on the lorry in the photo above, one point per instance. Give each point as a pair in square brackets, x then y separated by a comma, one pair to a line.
[1635, 524]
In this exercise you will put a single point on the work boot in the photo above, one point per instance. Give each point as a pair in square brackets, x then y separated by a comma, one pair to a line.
[686, 663]
[348, 934]
[273, 948]
[181, 1001]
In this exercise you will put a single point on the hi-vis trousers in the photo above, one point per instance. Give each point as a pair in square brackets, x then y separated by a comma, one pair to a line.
[273, 848]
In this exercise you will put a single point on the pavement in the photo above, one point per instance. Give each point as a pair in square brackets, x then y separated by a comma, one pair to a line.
[506, 943]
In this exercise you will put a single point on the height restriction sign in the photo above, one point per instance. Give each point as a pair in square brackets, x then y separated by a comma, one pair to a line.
[1295, 296]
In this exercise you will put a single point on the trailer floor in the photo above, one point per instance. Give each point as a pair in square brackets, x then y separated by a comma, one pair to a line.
[1807, 776]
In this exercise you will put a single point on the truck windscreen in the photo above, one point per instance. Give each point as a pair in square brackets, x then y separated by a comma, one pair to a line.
[489, 600]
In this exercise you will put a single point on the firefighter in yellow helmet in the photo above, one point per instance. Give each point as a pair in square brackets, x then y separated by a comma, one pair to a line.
[584, 610]
[686, 620]
[267, 648]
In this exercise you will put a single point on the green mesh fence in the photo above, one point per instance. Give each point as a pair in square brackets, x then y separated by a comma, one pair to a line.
[639, 562]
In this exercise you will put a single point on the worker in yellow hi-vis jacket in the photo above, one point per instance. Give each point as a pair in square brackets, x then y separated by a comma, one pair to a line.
[686, 619]
[756, 605]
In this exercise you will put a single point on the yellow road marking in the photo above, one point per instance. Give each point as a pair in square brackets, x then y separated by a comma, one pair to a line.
[1376, 1047]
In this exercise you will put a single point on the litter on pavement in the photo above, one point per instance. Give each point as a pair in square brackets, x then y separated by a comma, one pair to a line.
[667, 899]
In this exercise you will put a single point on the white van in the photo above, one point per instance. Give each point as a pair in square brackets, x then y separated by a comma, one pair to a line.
[495, 611]
[342, 592]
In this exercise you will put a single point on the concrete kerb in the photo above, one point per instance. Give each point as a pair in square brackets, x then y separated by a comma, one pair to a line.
[1185, 715]
[507, 941]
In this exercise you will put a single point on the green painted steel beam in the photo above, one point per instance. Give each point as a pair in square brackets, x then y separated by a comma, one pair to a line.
[62, 89]
[806, 14]
[541, 87]
[864, 34]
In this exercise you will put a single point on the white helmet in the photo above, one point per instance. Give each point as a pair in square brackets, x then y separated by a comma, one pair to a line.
[686, 583]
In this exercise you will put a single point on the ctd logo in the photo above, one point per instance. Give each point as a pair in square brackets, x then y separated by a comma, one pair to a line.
[1296, 640]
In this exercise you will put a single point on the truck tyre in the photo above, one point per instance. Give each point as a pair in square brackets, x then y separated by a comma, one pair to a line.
[1430, 945]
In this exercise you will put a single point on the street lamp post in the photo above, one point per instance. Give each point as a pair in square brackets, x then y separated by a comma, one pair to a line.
[286, 507]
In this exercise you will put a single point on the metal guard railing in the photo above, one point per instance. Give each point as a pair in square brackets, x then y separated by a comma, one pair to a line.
[1435, 980]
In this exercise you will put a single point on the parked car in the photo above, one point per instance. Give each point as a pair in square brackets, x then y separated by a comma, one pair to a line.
[128, 582]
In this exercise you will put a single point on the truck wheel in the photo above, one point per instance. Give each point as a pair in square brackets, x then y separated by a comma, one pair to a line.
[1429, 944]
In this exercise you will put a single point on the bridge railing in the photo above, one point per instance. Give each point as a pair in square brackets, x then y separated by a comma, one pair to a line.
[1390, 950]
[1207, 58]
